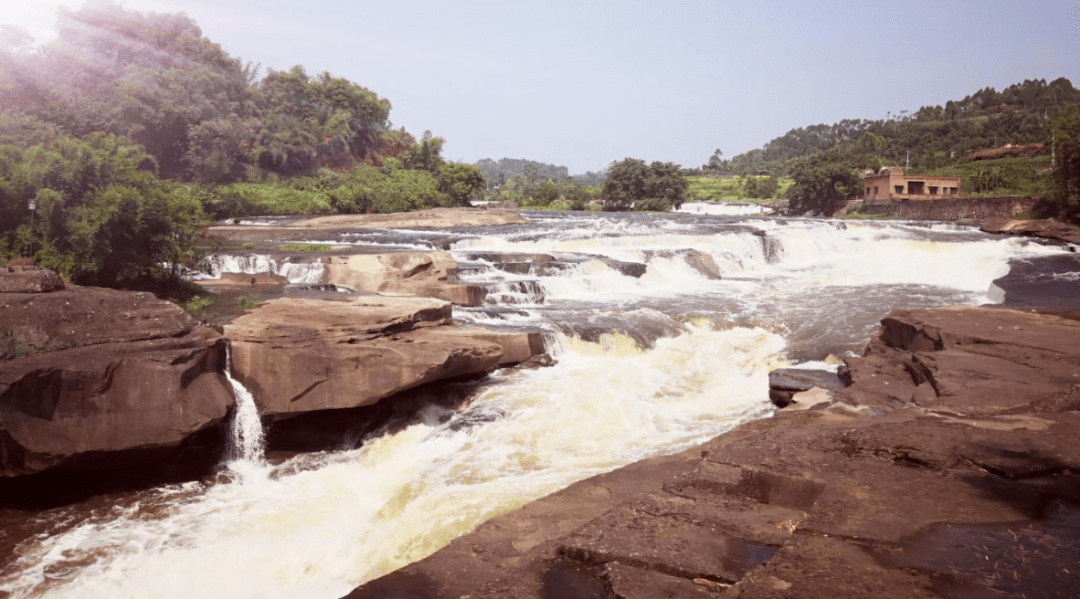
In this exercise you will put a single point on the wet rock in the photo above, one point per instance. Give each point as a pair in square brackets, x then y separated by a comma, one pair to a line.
[784, 383]
[696, 259]
[299, 355]
[703, 263]
[28, 279]
[92, 370]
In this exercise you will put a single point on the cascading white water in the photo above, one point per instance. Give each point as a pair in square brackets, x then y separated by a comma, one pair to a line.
[246, 444]
[302, 273]
[320, 524]
[723, 208]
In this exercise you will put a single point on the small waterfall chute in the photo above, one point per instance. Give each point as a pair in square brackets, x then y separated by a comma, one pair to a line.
[246, 445]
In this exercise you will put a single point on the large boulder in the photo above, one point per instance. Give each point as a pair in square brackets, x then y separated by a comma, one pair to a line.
[91, 370]
[28, 279]
[299, 355]
[426, 274]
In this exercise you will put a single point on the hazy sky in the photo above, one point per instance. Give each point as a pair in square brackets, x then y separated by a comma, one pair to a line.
[584, 83]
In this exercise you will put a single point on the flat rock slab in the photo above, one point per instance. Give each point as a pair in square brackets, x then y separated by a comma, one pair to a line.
[298, 355]
[434, 218]
[83, 316]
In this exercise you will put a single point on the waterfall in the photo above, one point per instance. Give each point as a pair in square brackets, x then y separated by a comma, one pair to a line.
[308, 272]
[246, 443]
[652, 357]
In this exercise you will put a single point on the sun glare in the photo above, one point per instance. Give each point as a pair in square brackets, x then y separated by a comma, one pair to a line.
[37, 18]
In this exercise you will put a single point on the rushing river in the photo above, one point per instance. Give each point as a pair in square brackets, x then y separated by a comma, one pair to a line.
[653, 356]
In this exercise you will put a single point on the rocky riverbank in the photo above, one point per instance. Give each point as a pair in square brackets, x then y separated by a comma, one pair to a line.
[91, 378]
[1044, 229]
[948, 467]
[307, 229]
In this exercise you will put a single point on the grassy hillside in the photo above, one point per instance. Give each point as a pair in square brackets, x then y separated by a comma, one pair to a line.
[730, 189]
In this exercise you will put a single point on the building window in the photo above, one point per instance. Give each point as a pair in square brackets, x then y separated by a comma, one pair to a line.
[875, 191]
[933, 190]
[898, 189]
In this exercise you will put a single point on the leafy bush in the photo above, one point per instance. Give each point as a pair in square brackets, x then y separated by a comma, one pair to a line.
[267, 199]
[246, 302]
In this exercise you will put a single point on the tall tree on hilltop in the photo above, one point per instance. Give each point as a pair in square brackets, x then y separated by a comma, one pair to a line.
[1067, 167]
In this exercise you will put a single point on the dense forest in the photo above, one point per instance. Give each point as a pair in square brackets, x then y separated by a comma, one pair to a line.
[958, 138]
[129, 131]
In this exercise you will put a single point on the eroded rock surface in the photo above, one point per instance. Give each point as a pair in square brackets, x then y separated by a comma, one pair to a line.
[88, 370]
[426, 274]
[957, 487]
[299, 355]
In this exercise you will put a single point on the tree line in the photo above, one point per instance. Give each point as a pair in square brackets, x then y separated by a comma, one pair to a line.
[130, 131]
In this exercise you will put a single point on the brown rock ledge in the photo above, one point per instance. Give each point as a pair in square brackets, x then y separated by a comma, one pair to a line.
[86, 370]
[298, 355]
[938, 473]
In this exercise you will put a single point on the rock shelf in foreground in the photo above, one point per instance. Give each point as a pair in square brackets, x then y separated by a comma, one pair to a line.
[949, 468]
[92, 370]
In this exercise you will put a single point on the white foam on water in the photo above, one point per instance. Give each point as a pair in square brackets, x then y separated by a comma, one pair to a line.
[323, 524]
[723, 208]
[303, 273]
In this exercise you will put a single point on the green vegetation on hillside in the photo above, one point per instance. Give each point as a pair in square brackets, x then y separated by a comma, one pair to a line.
[749, 188]
[824, 160]
[532, 189]
[130, 131]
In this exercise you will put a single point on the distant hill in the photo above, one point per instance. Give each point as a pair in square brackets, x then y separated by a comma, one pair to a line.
[932, 136]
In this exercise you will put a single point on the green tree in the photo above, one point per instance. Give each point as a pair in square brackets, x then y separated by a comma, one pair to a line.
[424, 156]
[310, 122]
[1066, 195]
[632, 184]
[103, 216]
[460, 182]
[821, 181]
[716, 162]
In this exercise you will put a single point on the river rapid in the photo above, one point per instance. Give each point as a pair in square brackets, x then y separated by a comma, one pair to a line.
[653, 356]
